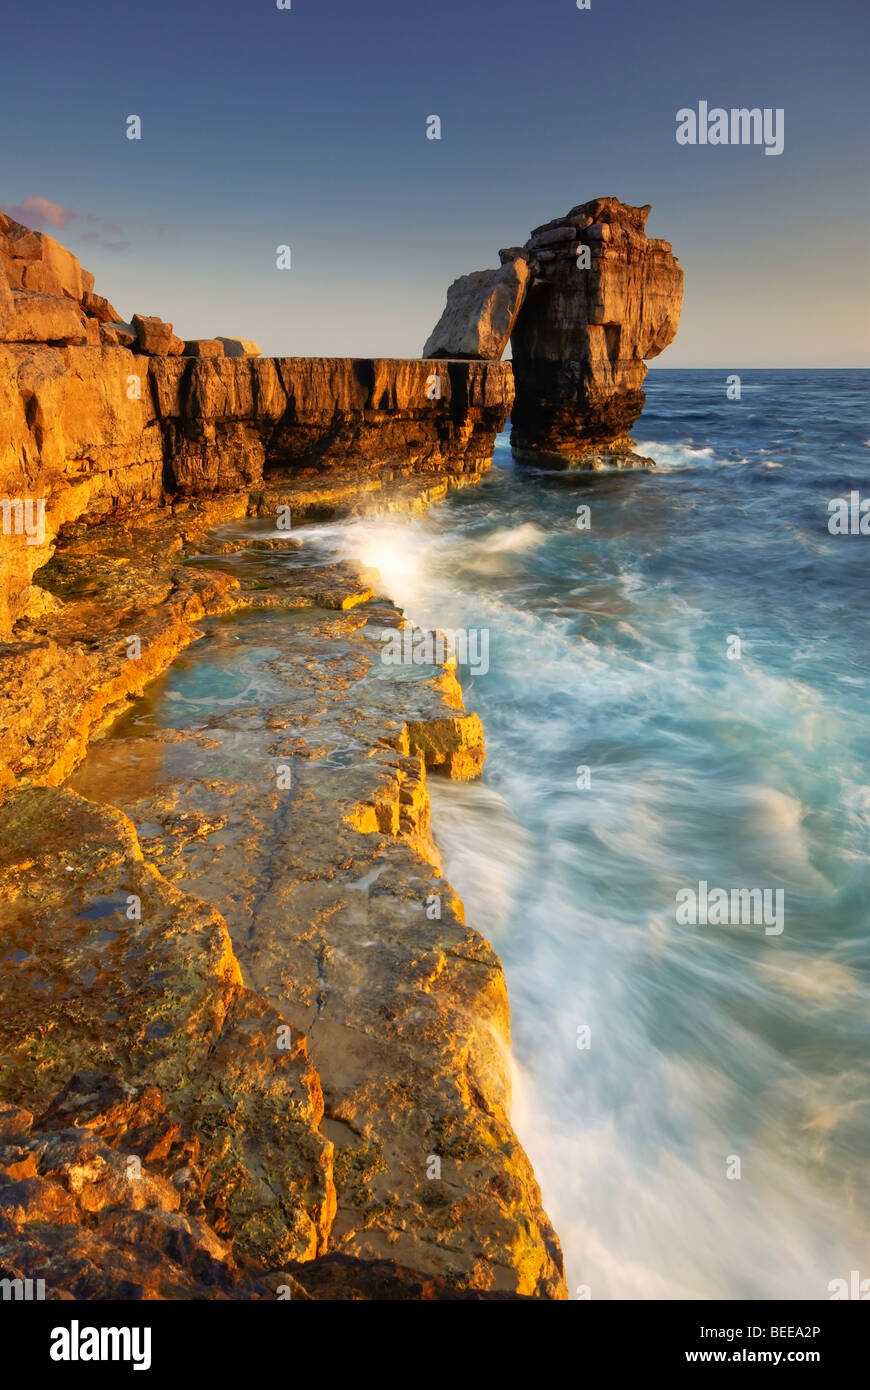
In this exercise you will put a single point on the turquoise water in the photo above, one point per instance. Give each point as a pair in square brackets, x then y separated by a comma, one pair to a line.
[713, 1049]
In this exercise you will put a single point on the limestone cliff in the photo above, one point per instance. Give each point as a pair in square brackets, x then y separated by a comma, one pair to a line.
[242, 1085]
[99, 417]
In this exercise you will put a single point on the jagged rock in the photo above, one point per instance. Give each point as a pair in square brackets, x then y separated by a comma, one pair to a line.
[552, 236]
[99, 308]
[104, 1198]
[172, 1122]
[209, 425]
[204, 347]
[93, 1202]
[410, 1047]
[239, 347]
[158, 1002]
[76, 431]
[49, 268]
[582, 335]
[153, 335]
[481, 311]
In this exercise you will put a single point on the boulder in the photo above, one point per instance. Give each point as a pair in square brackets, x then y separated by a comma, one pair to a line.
[239, 347]
[152, 334]
[99, 308]
[204, 347]
[43, 318]
[50, 268]
[481, 311]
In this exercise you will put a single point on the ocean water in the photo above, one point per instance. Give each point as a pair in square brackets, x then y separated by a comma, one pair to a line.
[694, 1098]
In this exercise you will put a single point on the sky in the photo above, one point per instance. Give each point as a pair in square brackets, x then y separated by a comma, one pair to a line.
[307, 127]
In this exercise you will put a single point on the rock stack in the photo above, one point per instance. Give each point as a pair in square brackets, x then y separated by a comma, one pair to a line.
[587, 299]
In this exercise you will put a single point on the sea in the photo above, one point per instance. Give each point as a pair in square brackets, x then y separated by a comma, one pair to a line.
[675, 697]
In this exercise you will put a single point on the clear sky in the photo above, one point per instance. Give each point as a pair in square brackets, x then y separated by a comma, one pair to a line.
[307, 127]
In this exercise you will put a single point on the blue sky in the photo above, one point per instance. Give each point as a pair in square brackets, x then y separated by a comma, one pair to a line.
[307, 127]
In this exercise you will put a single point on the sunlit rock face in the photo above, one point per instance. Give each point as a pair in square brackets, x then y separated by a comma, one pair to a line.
[604, 297]
[100, 417]
[481, 311]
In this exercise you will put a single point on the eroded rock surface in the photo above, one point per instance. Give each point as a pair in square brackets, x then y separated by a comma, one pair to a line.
[262, 1048]
[333, 1042]
[105, 1197]
[580, 342]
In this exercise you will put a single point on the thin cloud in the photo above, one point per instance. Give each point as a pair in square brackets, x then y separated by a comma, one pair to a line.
[44, 215]
[41, 213]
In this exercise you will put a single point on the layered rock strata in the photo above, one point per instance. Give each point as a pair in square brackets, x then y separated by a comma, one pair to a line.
[242, 1057]
[580, 343]
[98, 418]
[586, 301]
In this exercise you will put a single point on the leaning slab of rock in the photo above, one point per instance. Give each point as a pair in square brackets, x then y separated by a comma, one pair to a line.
[481, 311]
[239, 347]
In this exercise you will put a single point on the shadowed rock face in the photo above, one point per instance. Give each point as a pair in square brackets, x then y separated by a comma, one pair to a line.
[582, 334]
